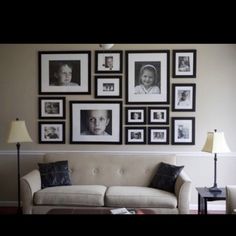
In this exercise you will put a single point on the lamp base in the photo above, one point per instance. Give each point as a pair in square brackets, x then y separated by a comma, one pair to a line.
[214, 190]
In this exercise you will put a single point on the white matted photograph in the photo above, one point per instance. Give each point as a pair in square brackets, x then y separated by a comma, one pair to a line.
[158, 135]
[64, 72]
[135, 135]
[135, 115]
[158, 115]
[95, 122]
[147, 74]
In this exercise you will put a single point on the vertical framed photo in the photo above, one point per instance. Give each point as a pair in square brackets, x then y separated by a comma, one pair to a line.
[95, 122]
[184, 63]
[183, 97]
[158, 115]
[135, 135]
[64, 72]
[51, 132]
[51, 107]
[147, 76]
[108, 87]
[158, 135]
[108, 62]
[183, 130]
[135, 115]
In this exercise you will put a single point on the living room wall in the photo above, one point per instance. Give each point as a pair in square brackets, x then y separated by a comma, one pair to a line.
[215, 109]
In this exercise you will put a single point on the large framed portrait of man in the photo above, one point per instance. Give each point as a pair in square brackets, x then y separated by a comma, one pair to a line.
[147, 76]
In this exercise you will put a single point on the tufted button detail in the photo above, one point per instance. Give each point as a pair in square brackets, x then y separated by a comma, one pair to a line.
[95, 171]
[121, 171]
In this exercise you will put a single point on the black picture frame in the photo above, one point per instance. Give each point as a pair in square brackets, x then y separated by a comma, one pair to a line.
[51, 108]
[158, 115]
[184, 63]
[107, 62]
[108, 86]
[158, 135]
[184, 97]
[135, 115]
[50, 132]
[84, 116]
[71, 67]
[183, 130]
[138, 63]
[135, 135]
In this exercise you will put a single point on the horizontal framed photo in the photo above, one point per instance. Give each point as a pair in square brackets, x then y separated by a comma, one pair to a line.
[183, 130]
[108, 87]
[108, 61]
[184, 63]
[183, 97]
[135, 135]
[158, 135]
[147, 76]
[51, 107]
[158, 115]
[95, 122]
[135, 115]
[51, 132]
[64, 72]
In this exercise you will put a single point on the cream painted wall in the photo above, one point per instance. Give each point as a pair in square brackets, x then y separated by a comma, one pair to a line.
[215, 108]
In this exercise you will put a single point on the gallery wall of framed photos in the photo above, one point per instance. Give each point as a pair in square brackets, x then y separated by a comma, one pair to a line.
[136, 98]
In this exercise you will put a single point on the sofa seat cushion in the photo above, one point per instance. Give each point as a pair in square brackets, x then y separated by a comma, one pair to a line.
[74, 195]
[132, 196]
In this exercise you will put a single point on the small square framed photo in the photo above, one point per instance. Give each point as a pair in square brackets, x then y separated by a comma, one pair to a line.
[158, 135]
[183, 97]
[158, 115]
[135, 115]
[51, 107]
[135, 135]
[108, 62]
[184, 63]
[108, 87]
[51, 132]
[183, 130]
[64, 72]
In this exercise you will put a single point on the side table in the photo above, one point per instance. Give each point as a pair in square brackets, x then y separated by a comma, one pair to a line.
[204, 195]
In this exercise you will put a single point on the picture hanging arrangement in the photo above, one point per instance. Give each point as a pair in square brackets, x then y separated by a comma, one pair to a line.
[147, 78]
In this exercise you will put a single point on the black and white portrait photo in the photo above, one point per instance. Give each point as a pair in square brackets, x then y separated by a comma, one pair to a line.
[135, 115]
[158, 135]
[108, 87]
[135, 135]
[158, 115]
[108, 62]
[184, 63]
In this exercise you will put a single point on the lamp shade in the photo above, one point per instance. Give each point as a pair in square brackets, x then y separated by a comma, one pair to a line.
[216, 143]
[18, 132]
[106, 46]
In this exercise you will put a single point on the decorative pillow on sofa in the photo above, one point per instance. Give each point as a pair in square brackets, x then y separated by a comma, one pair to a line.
[54, 174]
[166, 176]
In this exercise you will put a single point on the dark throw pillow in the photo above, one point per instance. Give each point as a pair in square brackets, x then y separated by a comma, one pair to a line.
[54, 174]
[165, 177]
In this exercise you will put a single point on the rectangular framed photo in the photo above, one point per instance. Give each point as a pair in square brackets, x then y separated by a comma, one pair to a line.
[158, 135]
[147, 76]
[93, 122]
[135, 115]
[51, 132]
[183, 130]
[64, 72]
[158, 115]
[108, 62]
[51, 107]
[108, 87]
[135, 135]
[184, 63]
[183, 97]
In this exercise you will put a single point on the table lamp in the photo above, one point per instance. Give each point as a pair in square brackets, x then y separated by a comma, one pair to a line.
[18, 134]
[215, 143]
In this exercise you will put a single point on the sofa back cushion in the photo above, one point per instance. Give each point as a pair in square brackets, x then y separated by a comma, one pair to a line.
[111, 169]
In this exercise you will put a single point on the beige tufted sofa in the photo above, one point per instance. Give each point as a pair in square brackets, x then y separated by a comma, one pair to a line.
[106, 180]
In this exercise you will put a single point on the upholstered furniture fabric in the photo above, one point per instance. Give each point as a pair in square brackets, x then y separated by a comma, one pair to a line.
[231, 199]
[126, 178]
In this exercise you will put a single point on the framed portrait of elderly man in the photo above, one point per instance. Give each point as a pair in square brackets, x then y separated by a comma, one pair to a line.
[147, 76]
[184, 63]
[95, 122]
[64, 72]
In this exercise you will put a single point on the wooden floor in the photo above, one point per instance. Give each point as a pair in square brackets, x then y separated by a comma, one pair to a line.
[13, 211]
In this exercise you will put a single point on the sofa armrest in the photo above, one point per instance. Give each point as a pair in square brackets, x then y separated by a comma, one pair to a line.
[183, 192]
[30, 184]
